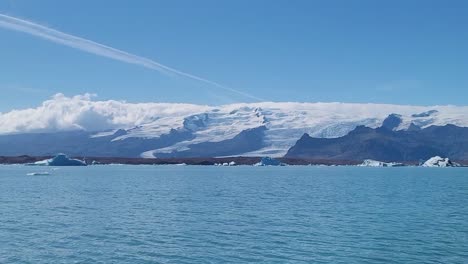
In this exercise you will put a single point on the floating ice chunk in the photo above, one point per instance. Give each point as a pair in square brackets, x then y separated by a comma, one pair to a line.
[438, 161]
[267, 161]
[38, 173]
[376, 163]
[60, 160]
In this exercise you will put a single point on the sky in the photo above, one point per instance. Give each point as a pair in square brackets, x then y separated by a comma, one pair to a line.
[396, 52]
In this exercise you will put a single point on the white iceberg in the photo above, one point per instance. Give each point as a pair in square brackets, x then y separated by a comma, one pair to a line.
[232, 163]
[438, 161]
[376, 163]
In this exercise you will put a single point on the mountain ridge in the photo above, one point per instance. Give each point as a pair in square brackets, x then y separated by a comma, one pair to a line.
[386, 145]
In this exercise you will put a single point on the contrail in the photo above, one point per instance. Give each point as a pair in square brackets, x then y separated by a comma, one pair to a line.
[90, 46]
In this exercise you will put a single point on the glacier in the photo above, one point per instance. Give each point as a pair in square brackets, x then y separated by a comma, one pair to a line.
[284, 122]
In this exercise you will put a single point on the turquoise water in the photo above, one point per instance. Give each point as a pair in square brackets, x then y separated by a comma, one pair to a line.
[185, 214]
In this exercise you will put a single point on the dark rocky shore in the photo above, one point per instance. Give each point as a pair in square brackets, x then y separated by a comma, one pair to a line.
[189, 161]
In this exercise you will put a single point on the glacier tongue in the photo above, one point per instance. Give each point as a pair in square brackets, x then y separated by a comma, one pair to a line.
[215, 126]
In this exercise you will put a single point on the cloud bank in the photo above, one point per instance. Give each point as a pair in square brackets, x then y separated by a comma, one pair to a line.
[16, 24]
[80, 112]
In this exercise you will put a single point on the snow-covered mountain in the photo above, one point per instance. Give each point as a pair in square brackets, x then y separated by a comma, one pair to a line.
[273, 126]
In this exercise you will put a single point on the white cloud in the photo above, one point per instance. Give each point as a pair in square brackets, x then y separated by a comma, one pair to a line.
[81, 112]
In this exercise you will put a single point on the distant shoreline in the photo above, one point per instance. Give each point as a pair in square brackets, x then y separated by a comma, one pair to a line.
[25, 159]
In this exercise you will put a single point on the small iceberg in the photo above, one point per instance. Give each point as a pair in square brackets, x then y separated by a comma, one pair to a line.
[43, 173]
[438, 161]
[232, 163]
[59, 160]
[268, 161]
[376, 163]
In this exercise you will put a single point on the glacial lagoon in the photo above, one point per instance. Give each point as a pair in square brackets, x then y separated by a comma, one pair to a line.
[198, 214]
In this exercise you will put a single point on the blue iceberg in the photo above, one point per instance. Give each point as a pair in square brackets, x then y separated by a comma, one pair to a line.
[60, 160]
[267, 161]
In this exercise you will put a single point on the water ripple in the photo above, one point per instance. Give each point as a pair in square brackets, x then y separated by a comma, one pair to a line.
[173, 214]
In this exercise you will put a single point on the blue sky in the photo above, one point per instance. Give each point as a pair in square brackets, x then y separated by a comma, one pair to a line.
[399, 52]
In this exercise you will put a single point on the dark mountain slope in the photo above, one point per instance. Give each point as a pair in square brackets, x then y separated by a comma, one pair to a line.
[386, 145]
[81, 143]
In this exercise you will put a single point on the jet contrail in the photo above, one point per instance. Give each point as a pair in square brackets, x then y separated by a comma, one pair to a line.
[83, 44]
